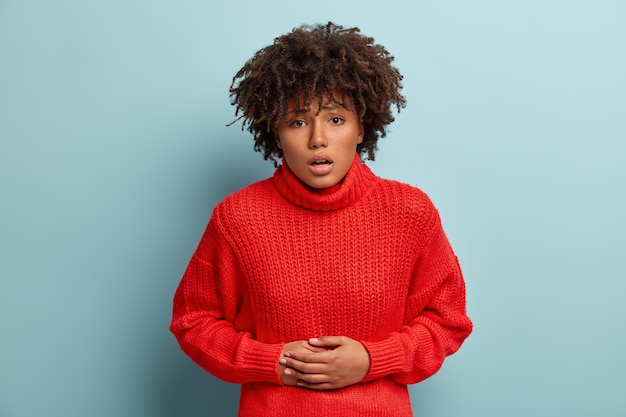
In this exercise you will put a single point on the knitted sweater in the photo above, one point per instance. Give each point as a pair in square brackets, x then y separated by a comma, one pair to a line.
[279, 262]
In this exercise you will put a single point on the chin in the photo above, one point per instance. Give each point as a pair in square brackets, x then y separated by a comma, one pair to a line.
[320, 185]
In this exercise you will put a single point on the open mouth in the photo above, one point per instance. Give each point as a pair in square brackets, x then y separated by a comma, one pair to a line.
[320, 165]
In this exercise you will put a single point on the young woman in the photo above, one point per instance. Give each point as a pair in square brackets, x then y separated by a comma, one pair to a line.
[324, 290]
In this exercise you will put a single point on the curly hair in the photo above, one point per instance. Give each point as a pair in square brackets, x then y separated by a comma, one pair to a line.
[314, 61]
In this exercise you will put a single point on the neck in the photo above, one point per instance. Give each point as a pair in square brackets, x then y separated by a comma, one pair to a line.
[347, 192]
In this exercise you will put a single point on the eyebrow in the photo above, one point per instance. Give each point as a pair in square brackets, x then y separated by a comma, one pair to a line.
[329, 107]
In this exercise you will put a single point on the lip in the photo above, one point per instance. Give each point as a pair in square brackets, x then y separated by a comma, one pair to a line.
[320, 169]
[320, 157]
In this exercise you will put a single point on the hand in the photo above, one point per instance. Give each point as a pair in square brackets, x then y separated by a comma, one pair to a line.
[297, 347]
[328, 362]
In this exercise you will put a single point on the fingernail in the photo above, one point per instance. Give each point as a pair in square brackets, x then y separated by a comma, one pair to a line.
[313, 340]
[287, 372]
[287, 354]
[283, 361]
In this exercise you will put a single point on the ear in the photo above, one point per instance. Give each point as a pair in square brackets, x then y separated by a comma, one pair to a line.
[277, 139]
[359, 138]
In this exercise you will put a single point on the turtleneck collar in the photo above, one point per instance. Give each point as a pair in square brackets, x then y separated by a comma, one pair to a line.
[355, 184]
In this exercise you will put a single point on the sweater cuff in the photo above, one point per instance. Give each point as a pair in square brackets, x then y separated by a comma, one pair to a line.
[387, 357]
[260, 360]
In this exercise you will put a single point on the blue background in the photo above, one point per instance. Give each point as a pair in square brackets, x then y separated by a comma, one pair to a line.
[114, 149]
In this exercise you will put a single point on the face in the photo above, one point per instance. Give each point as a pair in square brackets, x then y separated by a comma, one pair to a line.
[319, 147]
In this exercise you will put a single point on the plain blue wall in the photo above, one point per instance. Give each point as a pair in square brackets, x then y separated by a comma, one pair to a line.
[114, 149]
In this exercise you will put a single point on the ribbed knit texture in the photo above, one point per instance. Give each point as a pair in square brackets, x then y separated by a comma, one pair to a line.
[279, 262]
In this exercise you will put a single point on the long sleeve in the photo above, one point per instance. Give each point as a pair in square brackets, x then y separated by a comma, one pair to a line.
[436, 323]
[207, 306]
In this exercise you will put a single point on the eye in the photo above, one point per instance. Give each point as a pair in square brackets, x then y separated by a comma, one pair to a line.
[336, 120]
[296, 123]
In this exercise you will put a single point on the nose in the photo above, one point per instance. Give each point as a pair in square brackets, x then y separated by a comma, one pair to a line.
[318, 136]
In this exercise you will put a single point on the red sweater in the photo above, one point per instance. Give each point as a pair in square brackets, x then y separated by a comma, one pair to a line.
[279, 262]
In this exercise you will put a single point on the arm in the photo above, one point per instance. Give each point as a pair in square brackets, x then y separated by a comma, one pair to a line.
[436, 322]
[207, 306]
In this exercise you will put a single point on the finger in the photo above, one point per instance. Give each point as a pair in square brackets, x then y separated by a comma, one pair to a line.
[312, 357]
[315, 349]
[327, 341]
[288, 379]
[304, 367]
[319, 387]
[306, 379]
